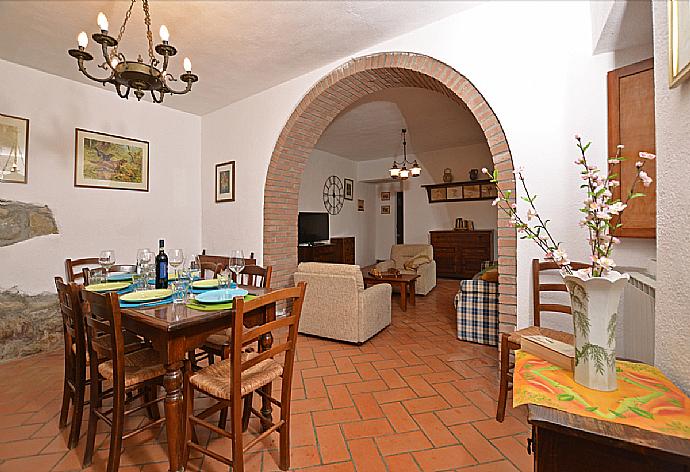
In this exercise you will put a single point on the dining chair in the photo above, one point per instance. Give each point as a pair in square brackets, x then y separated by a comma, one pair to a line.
[127, 268]
[212, 267]
[254, 370]
[512, 341]
[74, 384]
[74, 267]
[224, 260]
[255, 276]
[127, 372]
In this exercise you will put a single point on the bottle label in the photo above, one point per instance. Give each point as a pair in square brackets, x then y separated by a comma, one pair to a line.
[163, 270]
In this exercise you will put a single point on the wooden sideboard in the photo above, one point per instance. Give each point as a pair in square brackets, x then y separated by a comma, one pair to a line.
[460, 254]
[340, 250]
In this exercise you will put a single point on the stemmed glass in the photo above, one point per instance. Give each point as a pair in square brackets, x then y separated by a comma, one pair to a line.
[176, 259]
[106, 259]
[236, 263]
[144, 264]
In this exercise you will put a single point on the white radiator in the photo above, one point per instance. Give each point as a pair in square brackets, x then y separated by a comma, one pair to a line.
[635, 333]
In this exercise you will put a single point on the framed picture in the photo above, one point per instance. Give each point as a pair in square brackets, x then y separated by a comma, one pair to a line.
[225, 182]
[438, 194]
[14, 146]
[678, 41]
[471, 191]
[349, 189]
[107, 161]
[360, 205]
[385, 196]
[385, 209]
[454, 193]
[489, 191]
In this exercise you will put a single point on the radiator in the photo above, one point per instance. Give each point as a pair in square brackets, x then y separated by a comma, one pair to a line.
[635, 333]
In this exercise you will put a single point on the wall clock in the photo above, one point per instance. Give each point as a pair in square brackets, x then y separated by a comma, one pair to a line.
[333, 195]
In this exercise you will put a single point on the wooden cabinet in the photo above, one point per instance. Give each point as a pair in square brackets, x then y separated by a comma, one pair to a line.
[631, 123]
[340, 250]
[460, 254]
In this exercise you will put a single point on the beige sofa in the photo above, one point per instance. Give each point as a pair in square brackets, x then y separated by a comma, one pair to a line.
[336, 306]
[424, 266]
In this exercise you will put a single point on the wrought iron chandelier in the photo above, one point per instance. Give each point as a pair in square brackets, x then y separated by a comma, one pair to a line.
[402, 172]
[138, 75]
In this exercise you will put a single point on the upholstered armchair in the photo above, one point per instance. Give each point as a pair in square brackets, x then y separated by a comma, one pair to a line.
[414, 259]
[337, 306]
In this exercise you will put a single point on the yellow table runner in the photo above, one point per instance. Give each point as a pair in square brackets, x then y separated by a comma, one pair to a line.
[645, 398]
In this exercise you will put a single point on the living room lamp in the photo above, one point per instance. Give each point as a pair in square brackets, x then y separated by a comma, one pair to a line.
[402, 172]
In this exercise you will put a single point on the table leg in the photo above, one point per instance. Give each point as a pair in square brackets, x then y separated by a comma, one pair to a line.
[174, 414]
[403, 296]
[412, 294]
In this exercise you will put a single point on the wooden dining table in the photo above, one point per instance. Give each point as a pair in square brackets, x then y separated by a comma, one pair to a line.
[175, 330]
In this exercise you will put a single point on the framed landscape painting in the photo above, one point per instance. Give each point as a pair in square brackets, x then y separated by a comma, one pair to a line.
[107, 161]
[679, 41]
[225, 182]
[14, 145]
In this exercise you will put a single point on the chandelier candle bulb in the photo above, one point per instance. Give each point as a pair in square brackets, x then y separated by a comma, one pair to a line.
[83, 40]
[187, 64]
[164, 34]
[102, 22]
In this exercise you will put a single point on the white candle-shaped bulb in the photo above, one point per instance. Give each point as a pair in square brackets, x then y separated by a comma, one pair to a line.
[83, 40]
[164, 33]
[187, 64]
[114, 62]
[102, 22]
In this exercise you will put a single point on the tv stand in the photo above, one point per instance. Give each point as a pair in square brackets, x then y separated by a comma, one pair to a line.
[340, 250]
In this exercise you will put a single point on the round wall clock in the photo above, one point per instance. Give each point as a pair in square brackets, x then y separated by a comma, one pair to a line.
[333, 195]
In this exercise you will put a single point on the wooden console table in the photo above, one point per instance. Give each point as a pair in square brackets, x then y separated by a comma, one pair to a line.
[564, 442]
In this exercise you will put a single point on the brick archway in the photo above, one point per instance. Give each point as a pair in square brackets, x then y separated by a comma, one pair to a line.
[332, 94]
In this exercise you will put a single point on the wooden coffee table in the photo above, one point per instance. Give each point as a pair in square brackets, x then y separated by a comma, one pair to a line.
[405, 282]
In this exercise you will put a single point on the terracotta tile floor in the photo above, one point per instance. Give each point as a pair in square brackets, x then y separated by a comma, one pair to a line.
[412, 398]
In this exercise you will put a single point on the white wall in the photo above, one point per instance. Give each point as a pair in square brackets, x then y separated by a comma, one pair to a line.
[533, 63]
[673, 217]
[90, 220]
[349, 222]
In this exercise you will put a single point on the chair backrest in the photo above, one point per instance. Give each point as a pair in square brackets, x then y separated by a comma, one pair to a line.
[538, 288]
[87, 272]
[212, 267]
[72, 320]
[224, 260]
[400, 253]
[103, 322]
[289, 297]
[255, 276]
[73, 267]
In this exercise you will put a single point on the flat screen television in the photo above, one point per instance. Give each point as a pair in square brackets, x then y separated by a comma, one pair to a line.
[312, 227]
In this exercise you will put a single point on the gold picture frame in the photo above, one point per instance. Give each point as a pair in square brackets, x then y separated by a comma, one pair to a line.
[678, 41]
[104, 160]
[14, 149]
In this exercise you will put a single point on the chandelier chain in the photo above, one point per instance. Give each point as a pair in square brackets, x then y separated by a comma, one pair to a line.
[149, 36]
[122, 28]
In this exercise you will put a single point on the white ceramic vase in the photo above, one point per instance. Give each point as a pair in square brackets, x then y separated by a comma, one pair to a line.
[594, 302]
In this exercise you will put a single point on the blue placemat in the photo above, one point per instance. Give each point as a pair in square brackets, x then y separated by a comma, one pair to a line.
[164, 301]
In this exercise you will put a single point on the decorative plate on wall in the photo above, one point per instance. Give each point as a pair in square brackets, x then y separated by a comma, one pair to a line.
[333, 195]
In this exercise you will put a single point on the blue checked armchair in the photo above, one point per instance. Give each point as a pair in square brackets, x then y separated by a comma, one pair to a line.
[476, 304]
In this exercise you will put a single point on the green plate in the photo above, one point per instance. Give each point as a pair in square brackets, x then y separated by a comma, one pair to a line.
[208, 283]
[146, 295]
[107, 287]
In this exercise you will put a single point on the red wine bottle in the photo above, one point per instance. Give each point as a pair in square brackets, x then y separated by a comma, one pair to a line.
[161, 266]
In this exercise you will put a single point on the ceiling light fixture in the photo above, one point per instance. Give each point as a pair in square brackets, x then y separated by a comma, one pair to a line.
[402, 172]
[138, 75]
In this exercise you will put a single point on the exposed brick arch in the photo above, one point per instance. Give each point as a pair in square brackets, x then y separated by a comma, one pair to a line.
[331, 95]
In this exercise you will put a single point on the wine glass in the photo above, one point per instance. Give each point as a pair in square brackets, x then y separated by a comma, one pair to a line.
[176, 259]
[144, 264]
[106, 259]
[236, 263]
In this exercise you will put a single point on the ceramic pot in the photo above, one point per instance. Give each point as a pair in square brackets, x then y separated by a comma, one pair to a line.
[447, 175]
[474, 174]
[594, 302]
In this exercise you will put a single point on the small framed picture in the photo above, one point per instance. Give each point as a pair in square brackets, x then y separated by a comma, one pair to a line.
[108, 161]
[438, 194]
[385, 196]
[454, 193]
[489, 191]
[360, 205]
[385, 209]
[679, 41]
[349, 189]
[471, 191]
[225, 182]
[14, 146]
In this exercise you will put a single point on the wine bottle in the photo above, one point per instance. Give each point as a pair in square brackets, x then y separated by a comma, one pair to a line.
[161, 266]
